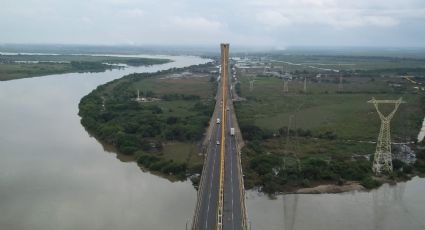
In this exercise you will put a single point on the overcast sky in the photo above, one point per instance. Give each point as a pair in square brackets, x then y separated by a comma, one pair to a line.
[278, 23]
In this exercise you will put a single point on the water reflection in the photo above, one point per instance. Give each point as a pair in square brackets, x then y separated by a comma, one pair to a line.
[290, 204]
[400, 206]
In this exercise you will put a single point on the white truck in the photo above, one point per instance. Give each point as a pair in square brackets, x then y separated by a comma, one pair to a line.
[232, 131]
[218, 120]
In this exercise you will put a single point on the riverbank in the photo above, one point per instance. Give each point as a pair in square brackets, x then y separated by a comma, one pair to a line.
[332, 188]
[17, 66]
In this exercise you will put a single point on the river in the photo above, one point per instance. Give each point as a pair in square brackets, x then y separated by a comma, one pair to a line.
[54, 175]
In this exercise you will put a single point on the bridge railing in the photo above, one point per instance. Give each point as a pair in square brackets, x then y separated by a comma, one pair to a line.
[201, 181]
[242, 192]
[206, 149]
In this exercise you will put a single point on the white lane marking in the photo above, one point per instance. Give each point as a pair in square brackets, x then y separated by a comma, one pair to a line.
[212, 176]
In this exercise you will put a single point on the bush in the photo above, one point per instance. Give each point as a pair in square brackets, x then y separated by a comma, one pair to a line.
[251, 132]
[305, 183]
[370, 183]
[398, 164]
[420, 166]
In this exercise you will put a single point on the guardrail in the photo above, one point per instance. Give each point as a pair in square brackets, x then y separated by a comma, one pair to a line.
[203, 173]
[200, 192]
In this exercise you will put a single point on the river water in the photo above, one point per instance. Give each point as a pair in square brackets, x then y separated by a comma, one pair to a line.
[53, 175]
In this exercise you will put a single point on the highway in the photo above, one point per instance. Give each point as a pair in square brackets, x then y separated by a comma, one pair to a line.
[221, 203]
[233, 206]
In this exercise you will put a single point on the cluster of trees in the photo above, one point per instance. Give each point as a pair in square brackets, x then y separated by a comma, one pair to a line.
[272, 172]
[420, 161]
[89, 66]
[111, 114]
[161, 165]
[175, 96]
[397, 71]
[252, 132]
[131, 126]
[140, 61]
[238, 89]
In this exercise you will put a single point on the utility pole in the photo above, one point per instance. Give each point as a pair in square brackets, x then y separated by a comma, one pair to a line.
[340, 85]
[383, 158]
[285, 86]
[289, 128]
[251, 84]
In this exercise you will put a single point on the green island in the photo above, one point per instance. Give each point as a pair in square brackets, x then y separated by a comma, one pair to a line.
[24, 66]
[293, 140]
[326, 134]
[160, 128]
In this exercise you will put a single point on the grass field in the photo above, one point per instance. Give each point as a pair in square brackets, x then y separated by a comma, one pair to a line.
[323, 109]
[182, 153]
[323, 135]
[347, 63]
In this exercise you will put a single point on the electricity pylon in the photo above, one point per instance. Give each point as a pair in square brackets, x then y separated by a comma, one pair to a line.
[251, 84]
[285, 86]
[305, 84]
[340, 85]
[383, 158]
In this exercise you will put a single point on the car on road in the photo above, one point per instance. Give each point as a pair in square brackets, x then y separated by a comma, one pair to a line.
[218, 142]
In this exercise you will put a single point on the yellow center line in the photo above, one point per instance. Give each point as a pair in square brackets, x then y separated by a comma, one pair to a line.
[222, 149]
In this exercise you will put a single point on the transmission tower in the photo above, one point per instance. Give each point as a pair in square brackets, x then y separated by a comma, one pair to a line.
[251, 84]
[340, 85]
[285, 86]
[383, 158]
[305, 84]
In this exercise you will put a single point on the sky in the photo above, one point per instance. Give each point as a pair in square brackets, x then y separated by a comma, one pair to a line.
[276, 23]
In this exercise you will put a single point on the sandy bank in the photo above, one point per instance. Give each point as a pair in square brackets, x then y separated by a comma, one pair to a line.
[332, 188]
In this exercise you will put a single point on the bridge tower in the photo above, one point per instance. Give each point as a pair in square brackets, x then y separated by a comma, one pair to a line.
[382, 161]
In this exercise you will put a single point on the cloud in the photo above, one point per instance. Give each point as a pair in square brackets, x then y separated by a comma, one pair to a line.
[131, 13]
[273, 13]
[196, 23]
[272, 19]
[271, 22]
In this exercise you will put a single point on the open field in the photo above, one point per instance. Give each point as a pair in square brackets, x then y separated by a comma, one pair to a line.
[323, 109]
[327, 126]
[347, 63]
